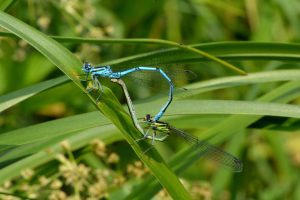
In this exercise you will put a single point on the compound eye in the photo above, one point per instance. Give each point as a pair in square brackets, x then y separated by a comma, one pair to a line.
[148, 117]
[87, 66]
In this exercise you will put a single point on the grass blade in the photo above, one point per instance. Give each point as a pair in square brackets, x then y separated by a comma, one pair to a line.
[109, 105]
[11, 99]
[5, 4]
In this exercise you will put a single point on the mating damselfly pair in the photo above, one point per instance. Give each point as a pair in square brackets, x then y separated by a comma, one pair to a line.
[154, 129]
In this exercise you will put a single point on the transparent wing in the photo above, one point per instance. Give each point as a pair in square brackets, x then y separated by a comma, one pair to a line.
[178, 76]
[204, 149]
[155, 82]
[181, 74]
[162, 57]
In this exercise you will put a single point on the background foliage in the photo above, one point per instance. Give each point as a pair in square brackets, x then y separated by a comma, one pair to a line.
[264, 136]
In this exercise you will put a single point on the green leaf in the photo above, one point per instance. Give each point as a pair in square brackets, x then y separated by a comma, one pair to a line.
[54, 128]
[11, 99]
[233, 107]
[5, 4]
[109, 105]
[252, 78]
[239, 51]
[185, 107]
[225, 50]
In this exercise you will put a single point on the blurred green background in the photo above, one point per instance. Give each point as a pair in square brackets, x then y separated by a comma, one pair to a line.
[270, 150]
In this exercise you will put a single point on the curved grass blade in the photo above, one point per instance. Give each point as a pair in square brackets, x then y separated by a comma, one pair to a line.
[54, 128]
[20, 151]
[252, 78]
[255, 108]
[239, 51]
[109, 105]
[19, 196]
[5, 4]
[8, 100]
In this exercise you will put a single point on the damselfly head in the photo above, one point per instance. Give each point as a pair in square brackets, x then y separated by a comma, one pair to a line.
[148, 118]
[86, 67]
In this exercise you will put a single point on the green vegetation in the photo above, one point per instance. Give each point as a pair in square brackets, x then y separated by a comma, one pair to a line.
[57, 142]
